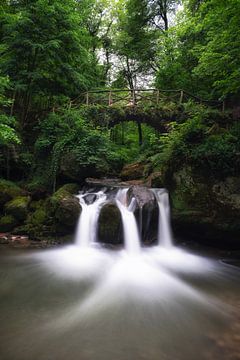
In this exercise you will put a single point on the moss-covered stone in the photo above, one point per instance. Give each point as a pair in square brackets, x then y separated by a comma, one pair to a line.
[18, 207]
[8, 191]
[110, 225]
[72, 188]
[204, 208]
[65, 209]
[7, 223]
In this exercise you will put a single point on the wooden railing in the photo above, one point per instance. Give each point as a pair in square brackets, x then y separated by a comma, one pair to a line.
[136, 97]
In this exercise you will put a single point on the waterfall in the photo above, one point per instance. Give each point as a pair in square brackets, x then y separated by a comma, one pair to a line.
[164, 227]
[87, 224]
[130, 229]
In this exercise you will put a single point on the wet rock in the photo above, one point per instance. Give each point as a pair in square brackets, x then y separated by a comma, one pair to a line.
[90, 198]
[110, 229]
[146, 211]
[18, 207]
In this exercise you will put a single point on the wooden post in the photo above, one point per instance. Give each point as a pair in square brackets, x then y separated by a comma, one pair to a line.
[223, 106]
[133, 97]
[140, 135]
[158, 97]
[110, 98]
[87, 98]
[13, 102]
[181, 97]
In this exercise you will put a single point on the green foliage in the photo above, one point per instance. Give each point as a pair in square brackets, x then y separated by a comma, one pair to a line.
[46, 51]
[66, 137]
[202, 143]
[201, 53]
[8, 134]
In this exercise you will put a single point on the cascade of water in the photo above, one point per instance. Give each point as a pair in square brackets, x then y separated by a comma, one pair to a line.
[164, 227]
[87, 224]
[131, 235]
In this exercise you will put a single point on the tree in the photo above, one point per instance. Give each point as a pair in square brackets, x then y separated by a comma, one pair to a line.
[46, 52]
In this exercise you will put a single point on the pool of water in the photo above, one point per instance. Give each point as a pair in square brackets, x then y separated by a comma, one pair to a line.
[97, 304]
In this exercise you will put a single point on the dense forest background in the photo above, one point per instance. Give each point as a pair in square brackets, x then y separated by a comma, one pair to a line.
[54, 51]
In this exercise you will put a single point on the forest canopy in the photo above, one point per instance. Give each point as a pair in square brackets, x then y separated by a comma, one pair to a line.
[52, 51]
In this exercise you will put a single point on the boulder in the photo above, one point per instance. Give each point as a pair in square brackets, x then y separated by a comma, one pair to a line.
[204, 208]
[133, 171]
[18, 207]
[71, 188]
[65, 209]
[146, 211]
[8, 191]
[7, 223]
[110, 229]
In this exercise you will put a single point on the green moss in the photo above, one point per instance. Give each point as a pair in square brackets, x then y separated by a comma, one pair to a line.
[71, 188]
[65, 210]
[18, 207]
[7, 223]
[8, 191]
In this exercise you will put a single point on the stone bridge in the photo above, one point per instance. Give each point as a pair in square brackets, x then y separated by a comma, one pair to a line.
[153, 107]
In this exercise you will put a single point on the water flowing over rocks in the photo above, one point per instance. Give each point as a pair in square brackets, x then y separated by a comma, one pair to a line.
[146, 211]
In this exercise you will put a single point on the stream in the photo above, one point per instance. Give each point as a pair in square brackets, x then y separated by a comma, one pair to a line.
[87, 301]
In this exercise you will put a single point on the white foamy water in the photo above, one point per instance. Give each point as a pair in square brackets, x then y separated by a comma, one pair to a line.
[87, 225]
[165, 238]
[130, 229]
[90, 302]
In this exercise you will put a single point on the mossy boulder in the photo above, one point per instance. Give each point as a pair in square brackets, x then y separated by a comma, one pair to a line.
[7, 223]
[38, 222]
[18, 207]
[65, 209]
[205, 208]
[110, 229]
[8, 191]
[71, 188]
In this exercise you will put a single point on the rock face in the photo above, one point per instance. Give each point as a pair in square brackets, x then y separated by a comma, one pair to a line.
[204, 208]
[110, 228]
[18, 207]
[26, 215]
[146, 211]
[8, 191]
[7, 223]
[65, 209]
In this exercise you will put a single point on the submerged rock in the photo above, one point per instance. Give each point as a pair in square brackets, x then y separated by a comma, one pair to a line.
[110, 229]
